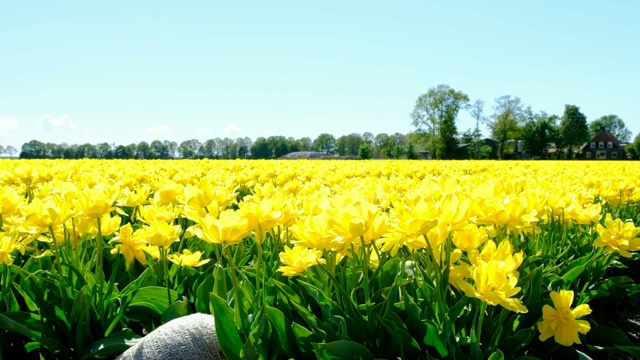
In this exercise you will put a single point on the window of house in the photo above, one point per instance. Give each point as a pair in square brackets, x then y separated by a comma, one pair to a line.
[601, 155]
[588, 154]
[609, 145]
[593, 145]
[601, 144]
[614, 155]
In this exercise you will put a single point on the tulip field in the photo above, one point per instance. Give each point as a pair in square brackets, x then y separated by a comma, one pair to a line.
[316, 258]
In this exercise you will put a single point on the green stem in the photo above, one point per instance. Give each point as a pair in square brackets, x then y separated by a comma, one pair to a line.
[232, 268]
[56, 248]
[165, 268]
[483, 308]
[365, 273]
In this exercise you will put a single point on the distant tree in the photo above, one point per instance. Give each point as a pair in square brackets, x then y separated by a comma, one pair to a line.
[505, 122]
[208, 149]
[123, 152]
[538, 132]
[69, 152]
[172, 148]
[365, 151]
[325, 143]
[477, 112]
[104, 151]
[631, 152]
[260, 149]
[278, 145]
[613, 124]
[227, 149]
[381, 146]
[2, 151]
[159, 150]
[573, 129]
[434, 114]
[143, 150]
[349, 145]
[368, 137]
[10, 150]
[636, 144]
[33, 149]
[304, 144]
[189, 149]
[411, 152]
[243, 147]
[397, 152]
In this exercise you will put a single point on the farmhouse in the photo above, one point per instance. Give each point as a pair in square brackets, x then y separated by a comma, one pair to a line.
[603, 146]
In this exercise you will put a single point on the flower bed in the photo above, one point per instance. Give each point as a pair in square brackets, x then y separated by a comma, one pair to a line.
[302, 259]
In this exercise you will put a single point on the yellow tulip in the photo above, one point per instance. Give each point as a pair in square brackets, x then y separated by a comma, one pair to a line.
[295, 261]
[187, 258]
[161, 234]
[619, 236]
[230, 228]
[560, 321]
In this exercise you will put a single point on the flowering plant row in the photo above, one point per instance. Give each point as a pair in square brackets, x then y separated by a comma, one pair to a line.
[300, 259]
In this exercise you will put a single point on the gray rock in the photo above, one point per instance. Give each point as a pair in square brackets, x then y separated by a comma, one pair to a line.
[191, 337]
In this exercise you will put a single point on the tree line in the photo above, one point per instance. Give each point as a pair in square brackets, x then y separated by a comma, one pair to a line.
[364, 146]
[436, 136]
[435, 114]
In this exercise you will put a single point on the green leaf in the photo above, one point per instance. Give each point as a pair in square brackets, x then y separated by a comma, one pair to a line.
[605, 336]
[16, 327]
[176, 310]
[80, 318]
[574, 269]
[113, 345]
[220, 285]
[432, 338]
[342, 350]
[153, 298]
[497, 355]
[226, 330]
[282, 326]
[304, 338]
[516, 342]
[202, 294]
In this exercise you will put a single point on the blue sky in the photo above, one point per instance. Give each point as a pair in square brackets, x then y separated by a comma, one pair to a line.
[127, 71]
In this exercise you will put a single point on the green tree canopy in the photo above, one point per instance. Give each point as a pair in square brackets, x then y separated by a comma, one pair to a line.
[505, 121]
[538, 132]
[434, 114]
[613, 124]
[325, 143]
[573, 129]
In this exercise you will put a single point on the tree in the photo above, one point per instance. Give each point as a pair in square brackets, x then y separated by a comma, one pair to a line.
[260, 149]
[538, 132]
[476, 110]
[381, 148]
[613, 124]
[34, 149]
[411, 152]
[636, 144]
[573, 129]
[10, 150]
[365, 151]
[2, 151]
[159, 149]
[505, 121]
[143, 150]
[349, 145]
[325, 143]
[435, 115]
[189, 149]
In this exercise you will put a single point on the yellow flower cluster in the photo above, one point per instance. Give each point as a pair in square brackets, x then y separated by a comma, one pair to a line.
[469, 214]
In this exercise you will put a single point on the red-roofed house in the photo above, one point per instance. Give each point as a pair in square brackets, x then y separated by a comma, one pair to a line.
[603, 146]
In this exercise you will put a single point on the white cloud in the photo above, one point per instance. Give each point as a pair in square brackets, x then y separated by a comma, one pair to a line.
[50, 123]
[233, 129]
[161, 129]
[8, 123]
